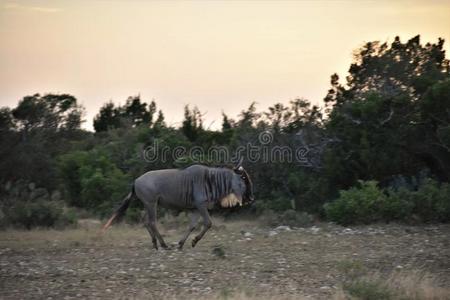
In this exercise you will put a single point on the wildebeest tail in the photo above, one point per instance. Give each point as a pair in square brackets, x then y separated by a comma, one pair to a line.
[120, 211]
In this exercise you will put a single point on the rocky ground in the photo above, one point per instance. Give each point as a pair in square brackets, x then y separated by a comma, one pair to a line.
[235, 258]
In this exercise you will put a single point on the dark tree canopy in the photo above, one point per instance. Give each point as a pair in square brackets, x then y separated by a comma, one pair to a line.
[48, 112]
[393, 111]
[36, 131]
[192, 124]
[133, 113]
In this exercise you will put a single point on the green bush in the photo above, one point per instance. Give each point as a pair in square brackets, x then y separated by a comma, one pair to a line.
[92, 181]
[367, 203]
[368, 289]
[432, 201]
[357, 205]
[397, 206]
[40, 213]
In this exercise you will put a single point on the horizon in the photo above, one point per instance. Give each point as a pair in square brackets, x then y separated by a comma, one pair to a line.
[218, 56]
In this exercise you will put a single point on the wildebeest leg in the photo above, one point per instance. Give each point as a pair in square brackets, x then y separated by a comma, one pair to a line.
[150, 231]
[192, 225]
[203, 210]
[152, 221]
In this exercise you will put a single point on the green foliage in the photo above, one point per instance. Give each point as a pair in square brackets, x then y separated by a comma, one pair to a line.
[432, 201]
[93, 181]
[40, 213]
[33, 133]
[134, 113]
[393, 122]
[396, 205]
[367, 203]
[360, 285]
[366, 289]
[357, 205]
[192, 124]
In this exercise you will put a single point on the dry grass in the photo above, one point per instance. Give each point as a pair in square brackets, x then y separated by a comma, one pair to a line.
[297, 264]
[417, 285]
[78, 237]
[411, 285]
[239, 295]
[398, 286]
[89, 234]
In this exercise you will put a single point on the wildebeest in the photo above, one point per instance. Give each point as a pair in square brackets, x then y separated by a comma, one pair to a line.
[196, 188]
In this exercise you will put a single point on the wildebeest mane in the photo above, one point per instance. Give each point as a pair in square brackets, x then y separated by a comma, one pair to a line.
[218, 183]
[213, 183]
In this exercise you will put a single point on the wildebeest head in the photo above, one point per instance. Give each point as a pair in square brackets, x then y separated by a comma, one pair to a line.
[243, 183]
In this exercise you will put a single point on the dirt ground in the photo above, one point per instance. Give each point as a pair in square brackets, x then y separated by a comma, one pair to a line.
[234, 258]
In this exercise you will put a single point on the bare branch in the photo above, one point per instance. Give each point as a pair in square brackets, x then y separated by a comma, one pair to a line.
[391, 113]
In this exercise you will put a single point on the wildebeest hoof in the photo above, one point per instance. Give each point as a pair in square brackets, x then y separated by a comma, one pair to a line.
[194, 242]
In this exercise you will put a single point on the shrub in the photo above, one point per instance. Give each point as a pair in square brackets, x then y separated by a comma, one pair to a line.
[357, 205]
[432, 201]
[368, 289]
[367, 203]
[92, 181]
[40, 213]
[397, 206]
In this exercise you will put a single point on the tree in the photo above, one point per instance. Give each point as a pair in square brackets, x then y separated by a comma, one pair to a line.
[51, 112]
[108, 117]
[192, 124]
[134, 113]
[36, 131]
[383, 116]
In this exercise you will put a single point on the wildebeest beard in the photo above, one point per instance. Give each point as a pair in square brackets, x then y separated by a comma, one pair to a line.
[218, 187]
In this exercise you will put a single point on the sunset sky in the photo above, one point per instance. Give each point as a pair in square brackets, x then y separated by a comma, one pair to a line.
[220, 56]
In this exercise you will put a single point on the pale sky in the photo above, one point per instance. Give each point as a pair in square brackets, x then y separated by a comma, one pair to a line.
[217, 55]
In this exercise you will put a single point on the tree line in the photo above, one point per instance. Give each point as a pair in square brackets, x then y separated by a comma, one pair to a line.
[378, 148]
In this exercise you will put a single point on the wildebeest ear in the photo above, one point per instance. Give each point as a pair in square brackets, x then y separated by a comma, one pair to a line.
[239, 164]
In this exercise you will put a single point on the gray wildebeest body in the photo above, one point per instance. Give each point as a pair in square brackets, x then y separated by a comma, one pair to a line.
[196, 188]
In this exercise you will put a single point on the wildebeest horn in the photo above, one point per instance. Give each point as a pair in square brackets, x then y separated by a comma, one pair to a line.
[239, 164]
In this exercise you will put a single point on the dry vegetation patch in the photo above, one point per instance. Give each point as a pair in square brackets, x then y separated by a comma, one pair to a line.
[236, 260]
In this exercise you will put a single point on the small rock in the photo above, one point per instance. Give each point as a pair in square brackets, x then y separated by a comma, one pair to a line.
[272, 233]
[315, 229]
[283, 227]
